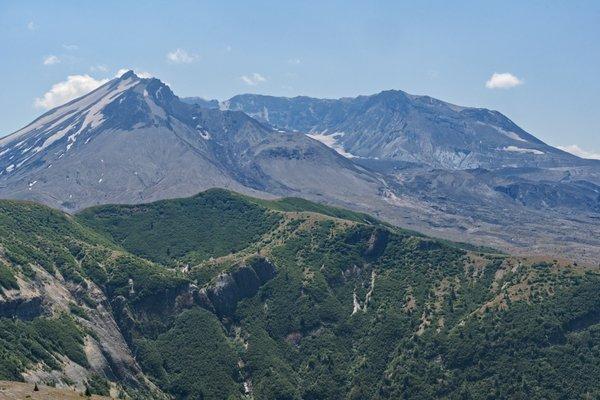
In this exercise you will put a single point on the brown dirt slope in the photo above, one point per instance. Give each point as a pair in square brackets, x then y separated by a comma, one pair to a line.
[21, 390]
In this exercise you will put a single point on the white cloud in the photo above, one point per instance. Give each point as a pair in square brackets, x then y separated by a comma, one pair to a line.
[121, 71]
[180, 56]
[294, 61]
[144, 74]
[62, 92]
[579, 152]
[253, 79]
[99, 68]
[31, 26]
[141, 74]
[51, 60]
[505, 80]
[70, 47]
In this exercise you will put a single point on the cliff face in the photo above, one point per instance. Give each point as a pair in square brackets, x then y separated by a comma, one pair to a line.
[22, 308]
[105, 352]
[242, 282]
[220, 296]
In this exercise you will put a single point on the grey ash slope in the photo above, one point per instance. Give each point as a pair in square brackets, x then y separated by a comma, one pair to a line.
[132, 140]
[459, 172]
[395, 125]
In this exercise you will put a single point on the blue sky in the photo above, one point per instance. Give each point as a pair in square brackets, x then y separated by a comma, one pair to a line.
[447, 50]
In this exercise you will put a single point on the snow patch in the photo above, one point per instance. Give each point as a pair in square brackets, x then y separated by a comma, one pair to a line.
[506, 133]
[79, 114]
[331, 142]
[23, 161]
[94, 116]
[57, 136]
[516, 149]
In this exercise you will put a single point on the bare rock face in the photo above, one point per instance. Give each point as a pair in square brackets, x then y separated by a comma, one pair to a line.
[377, 243]
[242, 282]
[224, 294]
[220, 296]
[264, 269]
[395, 125]
[105, 347]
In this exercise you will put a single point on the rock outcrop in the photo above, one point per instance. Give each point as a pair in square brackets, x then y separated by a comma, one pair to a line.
[242, 282]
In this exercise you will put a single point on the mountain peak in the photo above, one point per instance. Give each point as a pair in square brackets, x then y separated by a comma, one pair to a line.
[122, 103]
[129, 74]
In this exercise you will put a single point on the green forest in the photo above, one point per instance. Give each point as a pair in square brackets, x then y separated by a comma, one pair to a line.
[225, 296]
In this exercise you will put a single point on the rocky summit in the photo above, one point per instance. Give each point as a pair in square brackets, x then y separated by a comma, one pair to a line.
[395, 125]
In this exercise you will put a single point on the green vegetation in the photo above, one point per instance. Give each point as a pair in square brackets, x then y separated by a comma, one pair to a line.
[7, 277]
[98, 385]
[211, 224]
[32, 234]
[25, 342]
[194, 359]
[140, 280]
[356, 310]
[297, 204]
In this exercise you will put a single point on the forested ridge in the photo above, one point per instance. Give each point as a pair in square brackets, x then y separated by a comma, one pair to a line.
[225, 296]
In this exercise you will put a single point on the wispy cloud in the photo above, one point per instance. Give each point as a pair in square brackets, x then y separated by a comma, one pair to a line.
[181, 56]
[51, 60]
[99, 68]
[253, 79]
[504, 80]
[31, 26]
[70, 47]
[579, 152]
[294, 61]
[62, 92]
